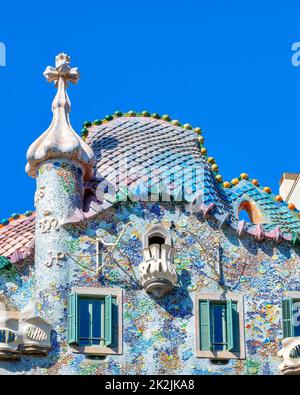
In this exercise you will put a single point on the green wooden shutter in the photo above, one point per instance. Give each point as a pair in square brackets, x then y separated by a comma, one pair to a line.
[229, 325]
[235, 327]
[287, 314]
[205, 334]
[108, 320]
[73, 319]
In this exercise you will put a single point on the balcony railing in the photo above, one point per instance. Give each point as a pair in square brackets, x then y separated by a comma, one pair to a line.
[157, 271]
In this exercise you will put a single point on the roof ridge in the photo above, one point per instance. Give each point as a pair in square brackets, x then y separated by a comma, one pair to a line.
[14, 218]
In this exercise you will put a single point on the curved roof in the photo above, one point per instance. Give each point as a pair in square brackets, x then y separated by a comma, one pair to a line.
[138, 154]
[142, 155]
[159, 151]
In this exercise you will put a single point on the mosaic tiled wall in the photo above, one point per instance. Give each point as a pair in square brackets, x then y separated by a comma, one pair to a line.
[159, 335]
[58, 194]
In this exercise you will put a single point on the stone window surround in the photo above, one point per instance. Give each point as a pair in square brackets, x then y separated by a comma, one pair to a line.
[292, 294]
[157, 230]
[295, 295]
[98, 292]
[217, 297]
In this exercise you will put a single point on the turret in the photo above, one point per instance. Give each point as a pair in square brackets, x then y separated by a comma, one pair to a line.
[60, 161]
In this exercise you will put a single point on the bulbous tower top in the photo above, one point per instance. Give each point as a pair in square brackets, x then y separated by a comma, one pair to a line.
[60, 140]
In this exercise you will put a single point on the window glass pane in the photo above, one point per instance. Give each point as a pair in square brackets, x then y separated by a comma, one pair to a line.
[218, 327]
[84, 322]
[296, 317]
[91, 321]
[96, 322]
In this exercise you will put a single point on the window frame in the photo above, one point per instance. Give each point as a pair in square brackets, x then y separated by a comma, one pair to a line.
[215, 298]
[213, 306]
[94, 293]
[157, 230]
[91, 327]
[295, 297]
[250, 206]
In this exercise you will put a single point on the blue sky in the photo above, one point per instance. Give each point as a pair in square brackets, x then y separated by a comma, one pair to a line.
[223, 66]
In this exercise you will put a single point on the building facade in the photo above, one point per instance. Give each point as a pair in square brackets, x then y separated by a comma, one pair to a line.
[137, 261]
[290, 189]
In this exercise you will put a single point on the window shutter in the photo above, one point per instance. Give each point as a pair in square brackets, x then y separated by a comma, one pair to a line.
[205, 335]
[229, 324]
[287, 314]
[108, 320]
[73, 319]
[235, 327]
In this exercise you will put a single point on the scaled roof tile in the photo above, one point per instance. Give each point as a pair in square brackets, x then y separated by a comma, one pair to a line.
[17, 235]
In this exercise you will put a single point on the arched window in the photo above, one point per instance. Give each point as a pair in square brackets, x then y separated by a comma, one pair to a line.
[157, 234]
[158, 239]
[243, 215]
[249, 212]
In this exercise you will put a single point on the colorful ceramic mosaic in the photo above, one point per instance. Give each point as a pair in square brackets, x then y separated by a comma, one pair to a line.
[44, 255]
[159, 335]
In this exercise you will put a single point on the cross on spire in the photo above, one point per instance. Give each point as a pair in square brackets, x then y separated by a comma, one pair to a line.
[60, 140]
[62, 70]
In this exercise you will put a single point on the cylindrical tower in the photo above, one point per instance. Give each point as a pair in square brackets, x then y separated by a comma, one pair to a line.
[60, 161]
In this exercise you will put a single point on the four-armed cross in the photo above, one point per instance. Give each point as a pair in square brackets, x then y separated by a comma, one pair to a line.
[62, 70]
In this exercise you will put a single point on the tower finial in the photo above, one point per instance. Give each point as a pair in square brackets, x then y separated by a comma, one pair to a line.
[63, 70]
[60, 140]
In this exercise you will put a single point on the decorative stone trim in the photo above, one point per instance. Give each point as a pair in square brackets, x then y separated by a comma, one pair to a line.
[38, 351]
[157, 230]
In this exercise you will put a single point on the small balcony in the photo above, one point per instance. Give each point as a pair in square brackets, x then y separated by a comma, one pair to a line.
[290, 353]
[157, 271]
[23, 333]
